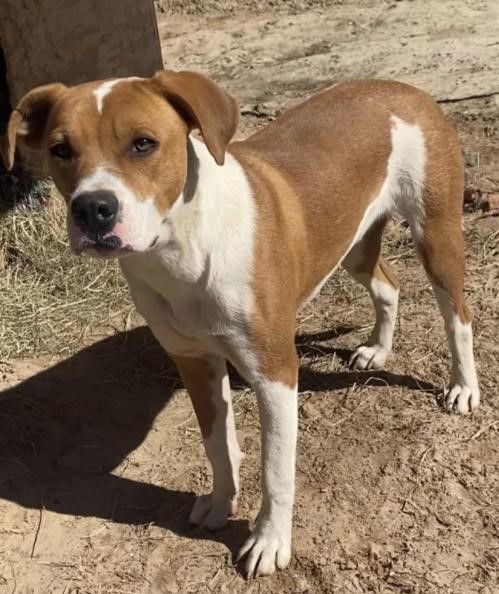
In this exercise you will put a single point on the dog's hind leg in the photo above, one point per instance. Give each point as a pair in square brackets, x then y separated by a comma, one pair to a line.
[440, 247]
[366, 266]
[434, 211]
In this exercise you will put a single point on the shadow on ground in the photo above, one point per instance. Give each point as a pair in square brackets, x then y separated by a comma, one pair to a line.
[64, 430]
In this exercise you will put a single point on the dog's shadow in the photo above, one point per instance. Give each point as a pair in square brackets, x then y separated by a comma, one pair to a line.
[310, 346]
[63, 431]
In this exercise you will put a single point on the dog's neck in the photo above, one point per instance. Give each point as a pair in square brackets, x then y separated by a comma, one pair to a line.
[211, 223]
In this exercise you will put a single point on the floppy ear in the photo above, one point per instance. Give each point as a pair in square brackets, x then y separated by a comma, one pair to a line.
[204, 105]
[28, 120]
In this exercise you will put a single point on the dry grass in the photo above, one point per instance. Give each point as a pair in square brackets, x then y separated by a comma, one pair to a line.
[51, 301]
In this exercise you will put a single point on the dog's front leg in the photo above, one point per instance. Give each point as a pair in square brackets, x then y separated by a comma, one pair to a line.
[270, 543]
[207, 382]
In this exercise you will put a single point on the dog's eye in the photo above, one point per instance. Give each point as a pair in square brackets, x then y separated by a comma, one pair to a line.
[143, 145]
[61, 150]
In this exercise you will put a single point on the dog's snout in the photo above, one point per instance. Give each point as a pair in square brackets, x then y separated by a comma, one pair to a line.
[95, 212]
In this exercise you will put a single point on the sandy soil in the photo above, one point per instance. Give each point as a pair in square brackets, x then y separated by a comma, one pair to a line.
[100, 456]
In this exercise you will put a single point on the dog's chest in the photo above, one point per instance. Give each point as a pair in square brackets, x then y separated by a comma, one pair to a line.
[190, 312]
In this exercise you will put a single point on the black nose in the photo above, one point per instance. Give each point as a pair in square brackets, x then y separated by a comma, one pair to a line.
[95, 212]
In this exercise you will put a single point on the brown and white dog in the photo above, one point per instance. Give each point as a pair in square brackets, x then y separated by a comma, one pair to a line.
[221, 243]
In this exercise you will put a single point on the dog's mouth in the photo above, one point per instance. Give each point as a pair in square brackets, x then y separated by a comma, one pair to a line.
[103, 246]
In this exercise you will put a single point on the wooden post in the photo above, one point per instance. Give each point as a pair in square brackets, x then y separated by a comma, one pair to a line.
[72, 41]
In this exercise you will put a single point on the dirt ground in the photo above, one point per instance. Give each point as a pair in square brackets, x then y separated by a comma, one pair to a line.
[101, 457]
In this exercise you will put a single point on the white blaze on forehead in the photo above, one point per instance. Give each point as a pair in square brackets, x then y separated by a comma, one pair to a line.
[106, 87]
[103, 90]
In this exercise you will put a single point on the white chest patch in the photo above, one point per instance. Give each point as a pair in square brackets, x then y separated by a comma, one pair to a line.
[194, 287]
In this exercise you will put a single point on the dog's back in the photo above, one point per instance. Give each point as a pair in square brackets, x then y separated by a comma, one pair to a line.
[346, 158]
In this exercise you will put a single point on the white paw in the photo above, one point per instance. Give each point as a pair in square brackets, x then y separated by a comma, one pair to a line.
[461, 398]
[268, 547]
[212, 512]
[368, 357]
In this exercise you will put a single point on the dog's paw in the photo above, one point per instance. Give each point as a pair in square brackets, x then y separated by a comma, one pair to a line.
[368, 357]
[461, 398]
[268, 547]
[212, 512]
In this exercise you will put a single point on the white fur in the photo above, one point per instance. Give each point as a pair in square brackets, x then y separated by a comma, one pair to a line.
[139, 220]
[463, 393]
[103, 90]
[406, 173]
[403, 185]
[402, 189]
[385, 298]
[269, 546]
[23, 129]
[224, 454]
[106, 87]
[194, 288]
[401, 192]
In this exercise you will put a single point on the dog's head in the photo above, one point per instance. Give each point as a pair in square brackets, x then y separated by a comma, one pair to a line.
[118, 150]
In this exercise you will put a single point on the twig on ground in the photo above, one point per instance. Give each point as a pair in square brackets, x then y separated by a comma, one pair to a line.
[481, 431]
[467, 97]
[40, 518]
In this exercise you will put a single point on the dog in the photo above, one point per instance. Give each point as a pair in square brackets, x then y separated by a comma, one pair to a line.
[221, 242]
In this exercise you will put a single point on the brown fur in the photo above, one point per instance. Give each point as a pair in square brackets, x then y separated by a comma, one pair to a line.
[204, 106]
[197, 374]
[29, 120]
[364, 259]
[314, 171]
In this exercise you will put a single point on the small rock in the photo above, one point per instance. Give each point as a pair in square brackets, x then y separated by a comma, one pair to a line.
[443, 519]
[309, 411]
[471, 199]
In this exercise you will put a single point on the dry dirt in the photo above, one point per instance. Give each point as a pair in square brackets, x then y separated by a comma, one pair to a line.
[100, 456]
